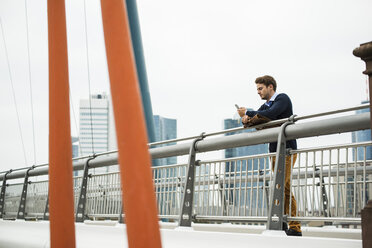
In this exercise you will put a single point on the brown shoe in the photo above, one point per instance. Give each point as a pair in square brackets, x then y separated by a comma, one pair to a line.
[292, 232]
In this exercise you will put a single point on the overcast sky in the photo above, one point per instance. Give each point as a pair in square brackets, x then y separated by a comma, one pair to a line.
[202, 57]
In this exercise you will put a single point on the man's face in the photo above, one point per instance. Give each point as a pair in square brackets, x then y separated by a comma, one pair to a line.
[264, 91]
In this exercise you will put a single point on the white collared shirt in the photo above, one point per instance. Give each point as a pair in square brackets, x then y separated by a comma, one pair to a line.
[271, 99]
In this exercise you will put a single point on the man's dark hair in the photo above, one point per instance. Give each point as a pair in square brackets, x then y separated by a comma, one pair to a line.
[266, 80]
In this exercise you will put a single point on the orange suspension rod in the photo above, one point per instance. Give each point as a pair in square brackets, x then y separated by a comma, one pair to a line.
[134, 159]
[61, 201]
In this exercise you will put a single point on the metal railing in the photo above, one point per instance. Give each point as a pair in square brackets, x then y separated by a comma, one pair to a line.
[329, 183]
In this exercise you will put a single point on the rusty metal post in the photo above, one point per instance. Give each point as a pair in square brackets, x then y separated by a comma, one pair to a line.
[364, 51]
[367, 225]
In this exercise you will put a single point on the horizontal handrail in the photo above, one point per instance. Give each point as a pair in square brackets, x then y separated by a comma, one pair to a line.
[268, 124]
[300, 130]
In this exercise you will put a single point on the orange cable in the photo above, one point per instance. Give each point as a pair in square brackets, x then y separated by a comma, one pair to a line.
[61, 200]
[134, 159]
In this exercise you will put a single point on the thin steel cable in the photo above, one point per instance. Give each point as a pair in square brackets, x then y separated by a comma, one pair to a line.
[30, 82]
[87, 52]
[74, 118]
[13, 92]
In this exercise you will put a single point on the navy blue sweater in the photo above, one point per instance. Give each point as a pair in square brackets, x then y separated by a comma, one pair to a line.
[280, 108]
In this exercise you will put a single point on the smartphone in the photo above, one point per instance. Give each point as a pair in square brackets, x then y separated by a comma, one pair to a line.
[236, 106]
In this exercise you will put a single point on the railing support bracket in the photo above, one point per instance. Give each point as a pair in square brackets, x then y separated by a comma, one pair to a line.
[276, 207]
[80, 211]
[188, 196]
[2, 195]
[22, 203]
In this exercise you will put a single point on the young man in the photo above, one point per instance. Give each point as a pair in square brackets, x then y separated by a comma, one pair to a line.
[277, 106]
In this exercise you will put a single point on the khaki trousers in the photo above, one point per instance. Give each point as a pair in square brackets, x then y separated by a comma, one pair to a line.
[289, 162]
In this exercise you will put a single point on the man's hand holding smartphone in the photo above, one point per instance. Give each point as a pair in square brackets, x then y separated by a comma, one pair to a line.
[241, 110]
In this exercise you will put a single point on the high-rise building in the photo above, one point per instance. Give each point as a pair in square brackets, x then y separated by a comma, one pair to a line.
[165, 129]
[97, 130]
[361, 136]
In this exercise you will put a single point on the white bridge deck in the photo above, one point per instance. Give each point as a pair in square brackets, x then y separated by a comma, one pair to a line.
[90, 234]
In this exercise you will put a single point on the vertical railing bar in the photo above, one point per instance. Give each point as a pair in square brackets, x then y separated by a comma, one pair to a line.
[107, 198]
[313, 199]
[224, 207]
[153, 171]
[258, 183]
[245, 187]
[217, 179]
[104, 183]
[329, 181]
[251, 190]
[177, 196]
[168, 191]
[114, 208]
[99, 201]
[112, 194]
[103, 208]
[234, 189]
[86, 211]
[108, 193]
[198, 192]
[174, 190]
[162, 191]
[306, 167]
[228, 191]
[104, 195]
[177, 177]
[202, 188]
[175, 187]
[264, 188]
[213, 187]
[157, 178]
[220, 192]
[290, 188]
[165, 191]
[171, 190]
[364, 178]
[337, 181]
[96, 194]
[208, 190]
[346, 181]
[118, 195]
[240, 187]
[298, 185]
[321, 200]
